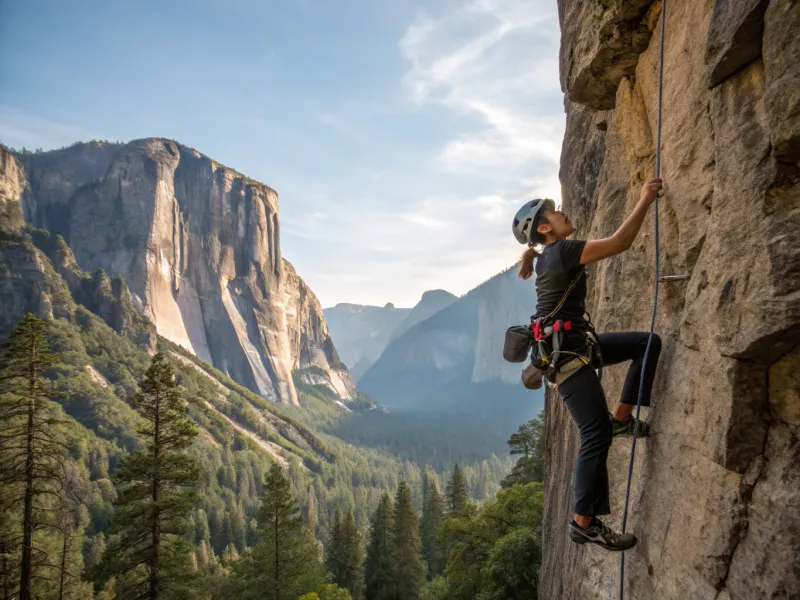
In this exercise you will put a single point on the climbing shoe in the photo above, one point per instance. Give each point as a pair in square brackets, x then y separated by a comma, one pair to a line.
[598, 533]
[625, 427]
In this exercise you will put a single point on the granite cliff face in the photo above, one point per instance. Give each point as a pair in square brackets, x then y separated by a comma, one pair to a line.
[199, 247]
[716, 495]
[39, 274]
[12, 183]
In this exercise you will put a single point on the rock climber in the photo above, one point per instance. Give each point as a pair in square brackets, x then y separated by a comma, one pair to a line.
[561, 295]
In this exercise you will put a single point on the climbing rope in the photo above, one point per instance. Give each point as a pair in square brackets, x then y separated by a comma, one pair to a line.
[655, 302]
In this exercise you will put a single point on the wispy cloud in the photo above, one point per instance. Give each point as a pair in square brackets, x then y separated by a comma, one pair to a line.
[400, 152]
[491, 66]
[494, 60]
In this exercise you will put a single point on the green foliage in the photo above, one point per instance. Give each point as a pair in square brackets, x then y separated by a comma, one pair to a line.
[32, 457]
[495, 553]
[377, 568]
[528, 441]
[344, 555]
[333, 550]
[435, 589]
[351, 559]
[433, 513]
[457, 494]
[422, 437]
[407, 570]
[327, 591]
[148, 553]
[284, 563]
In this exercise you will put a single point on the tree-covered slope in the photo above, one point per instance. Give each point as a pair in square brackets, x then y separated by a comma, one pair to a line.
[241, 433]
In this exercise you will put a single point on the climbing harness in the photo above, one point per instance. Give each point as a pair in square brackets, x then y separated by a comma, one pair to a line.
[655, 299]
[548, 356]
[542, 341]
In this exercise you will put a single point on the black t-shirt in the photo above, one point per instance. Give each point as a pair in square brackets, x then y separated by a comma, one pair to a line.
[556, 267]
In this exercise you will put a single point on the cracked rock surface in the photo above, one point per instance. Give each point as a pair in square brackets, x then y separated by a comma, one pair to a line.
[715, 499]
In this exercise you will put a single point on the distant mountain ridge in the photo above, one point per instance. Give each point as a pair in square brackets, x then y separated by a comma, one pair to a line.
[361, 332]
[452, 361]
[431, 302]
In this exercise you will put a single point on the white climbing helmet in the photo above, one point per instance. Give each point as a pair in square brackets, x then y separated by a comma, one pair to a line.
[527, 219]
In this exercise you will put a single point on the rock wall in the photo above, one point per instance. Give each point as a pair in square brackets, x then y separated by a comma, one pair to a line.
[12, 183]
[199, 247]
[715, 500]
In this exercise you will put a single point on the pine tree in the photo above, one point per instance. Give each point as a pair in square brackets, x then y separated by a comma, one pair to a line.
[202, 555]
[407, 571]
[284, 563]
[238, 525]
[351, 558]
[457, 494]
[109, 591]
[155, 498]
[432, 515]
[311, 512]
[96, 548]
[377, 565]
[31, 453]
[71, 525]
[201, 530]
[528, 442]
[333, 550]
[426, 484]
[194, 567]
[231, 555]
[483, 482]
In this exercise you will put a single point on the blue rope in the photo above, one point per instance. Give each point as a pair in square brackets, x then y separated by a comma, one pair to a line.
[655, 304]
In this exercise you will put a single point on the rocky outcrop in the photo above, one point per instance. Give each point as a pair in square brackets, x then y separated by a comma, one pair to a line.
[28, 281]
[39, 274]
[198, 245]
[12, 183]
[53, 177]
[716, 493]
[309, 339]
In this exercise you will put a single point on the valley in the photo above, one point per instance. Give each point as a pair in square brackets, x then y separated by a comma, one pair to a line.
[340, 451]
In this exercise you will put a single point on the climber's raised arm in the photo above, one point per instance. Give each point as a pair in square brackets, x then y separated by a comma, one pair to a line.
[623, 237]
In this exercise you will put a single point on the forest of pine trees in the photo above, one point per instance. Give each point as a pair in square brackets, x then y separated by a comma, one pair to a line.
[76, 524]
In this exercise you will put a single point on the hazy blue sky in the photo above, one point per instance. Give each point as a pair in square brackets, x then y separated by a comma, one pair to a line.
[401, 135]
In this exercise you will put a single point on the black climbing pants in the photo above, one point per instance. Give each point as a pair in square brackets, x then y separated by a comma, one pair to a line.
[586, 402]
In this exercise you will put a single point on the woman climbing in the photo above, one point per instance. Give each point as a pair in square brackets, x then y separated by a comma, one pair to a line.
[561, 296]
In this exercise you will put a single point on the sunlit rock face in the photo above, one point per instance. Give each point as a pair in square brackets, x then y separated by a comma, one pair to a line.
[199, 247]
